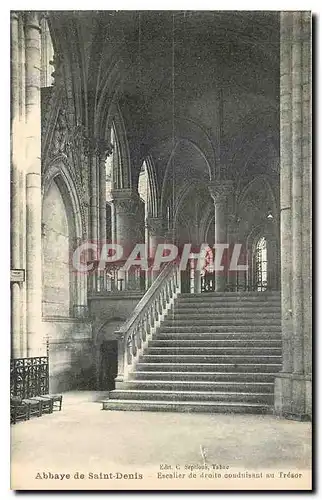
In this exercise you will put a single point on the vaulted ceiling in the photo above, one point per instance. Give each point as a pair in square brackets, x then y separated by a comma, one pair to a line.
[199, 89]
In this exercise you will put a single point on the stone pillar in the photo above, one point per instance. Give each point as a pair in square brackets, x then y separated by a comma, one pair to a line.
[126, 203]
[155, 227]
[22, 186]
[220, 191]
[307, 198]
[293, 384]
[33, 186]
[93, 208]
[232, 236]
[156, 233]
[104, 150]
[15, 188]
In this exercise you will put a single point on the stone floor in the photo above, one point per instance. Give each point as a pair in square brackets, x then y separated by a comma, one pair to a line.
[82, 438]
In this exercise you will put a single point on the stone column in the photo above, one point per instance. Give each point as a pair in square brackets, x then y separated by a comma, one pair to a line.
[126, 204]
[127, 212]
[220, 191]
[232, 237]
[297, 200]
[170, 236]
[33, 186]
[155, 227]
[307, 196]
[156, 233]
[22, 186]
[104, 150]
[15, 188]
[293, 384]
[285, 187]
[94, 167]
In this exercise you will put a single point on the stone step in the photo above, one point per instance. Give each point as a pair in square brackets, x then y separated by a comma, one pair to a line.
[186, 406]
[227, 306]
[195, 358]
[223, 321]
[215, 351]
[222, 336]
[218, 328]
[228, 367]
[275, 293]
[226, 342]
[168, 395]
[196, 385]
[217, 314]
[236, 299]
[216, 304]
[268, 377]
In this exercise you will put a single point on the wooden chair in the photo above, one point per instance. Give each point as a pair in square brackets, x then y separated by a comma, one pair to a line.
[35, 407]
[18, 410]
[45, 403]
[57, 400]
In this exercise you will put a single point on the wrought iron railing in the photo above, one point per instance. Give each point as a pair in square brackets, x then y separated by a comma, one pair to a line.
[146, 317]
[239, 283]
[29, 377]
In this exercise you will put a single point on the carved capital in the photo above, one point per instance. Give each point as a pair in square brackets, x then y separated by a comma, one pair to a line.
[104, 149]
[32, 19]
[126, 200]
[14, 15]
[220, 191]
[97, 147]
[155, 225]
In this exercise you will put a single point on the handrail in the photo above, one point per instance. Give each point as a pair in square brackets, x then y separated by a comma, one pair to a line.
[146, 317]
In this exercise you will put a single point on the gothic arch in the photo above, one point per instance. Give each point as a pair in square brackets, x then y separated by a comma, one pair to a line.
[189, 130]
[168, 173]
[264, 180]
[122, 175]
[58, 171]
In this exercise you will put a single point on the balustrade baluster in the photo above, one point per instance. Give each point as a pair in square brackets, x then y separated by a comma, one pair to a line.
[145, 327]
[121, 350]
[139, 335]
[129, 346]
[152, 315]
[150, 309]
[159, 304]
[134, 342]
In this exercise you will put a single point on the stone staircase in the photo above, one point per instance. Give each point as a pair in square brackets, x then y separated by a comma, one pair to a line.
[214, 352]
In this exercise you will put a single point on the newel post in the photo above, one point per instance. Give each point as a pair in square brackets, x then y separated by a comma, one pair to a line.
[120, 356]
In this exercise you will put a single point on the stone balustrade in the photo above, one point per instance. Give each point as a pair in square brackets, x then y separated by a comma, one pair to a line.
[146, 317]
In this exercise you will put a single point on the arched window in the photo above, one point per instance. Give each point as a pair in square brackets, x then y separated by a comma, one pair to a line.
[144, 193]
[261, 265]
[143, 186]
[109, 169]
[110, 165]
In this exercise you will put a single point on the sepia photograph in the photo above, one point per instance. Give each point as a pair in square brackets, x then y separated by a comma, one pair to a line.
[160, 250]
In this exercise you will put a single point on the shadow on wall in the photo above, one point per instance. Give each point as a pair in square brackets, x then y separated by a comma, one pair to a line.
[72, 367]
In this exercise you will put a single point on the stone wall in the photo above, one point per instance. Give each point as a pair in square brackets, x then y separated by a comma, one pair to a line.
[70, 354]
